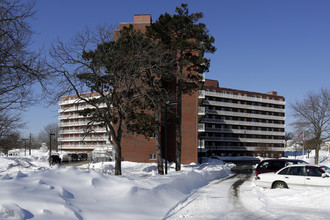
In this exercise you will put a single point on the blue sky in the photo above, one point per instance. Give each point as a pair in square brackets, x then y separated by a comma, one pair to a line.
[262, 45]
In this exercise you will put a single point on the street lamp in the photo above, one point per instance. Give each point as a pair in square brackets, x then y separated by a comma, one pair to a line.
[167, 104]
[50, 147]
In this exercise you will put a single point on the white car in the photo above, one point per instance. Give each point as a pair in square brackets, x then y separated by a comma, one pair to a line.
[293, 176]
[325, 168]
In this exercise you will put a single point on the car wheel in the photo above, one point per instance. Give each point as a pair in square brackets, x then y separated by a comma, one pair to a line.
[280, 185]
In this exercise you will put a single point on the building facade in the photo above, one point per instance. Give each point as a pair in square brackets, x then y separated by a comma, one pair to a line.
[241, 123]
[215, 120]
[75, 134]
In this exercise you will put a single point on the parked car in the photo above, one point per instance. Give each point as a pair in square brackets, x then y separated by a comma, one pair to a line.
[273, 165]
[325, 168]
[65, 158]
[73, 157]
[101, 155]
[293, 176]
[54, 159]
[82, 156]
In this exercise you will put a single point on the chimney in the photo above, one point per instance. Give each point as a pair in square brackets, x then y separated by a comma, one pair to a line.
[143, 18]
[272, 93]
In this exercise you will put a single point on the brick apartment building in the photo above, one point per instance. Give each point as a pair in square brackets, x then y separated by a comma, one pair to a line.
[214, 120]
[241, 123]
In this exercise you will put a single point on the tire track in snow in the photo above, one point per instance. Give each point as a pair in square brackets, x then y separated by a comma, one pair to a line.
[202, 205]
[218, 200]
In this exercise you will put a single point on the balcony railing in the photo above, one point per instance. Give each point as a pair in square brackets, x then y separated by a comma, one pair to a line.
[201, 110]
[201, 143]
[79, 108]
[242, 106]
[202, 77]
[242, 123]
[81, 146]
[201, 127]
[244, 140]
[81, 139]
[201, 94]
[244, 131]
[242, 148]
[246, 98]
[81, 131]
[245, 115]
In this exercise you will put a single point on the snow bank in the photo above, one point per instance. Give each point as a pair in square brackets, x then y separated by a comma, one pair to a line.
[29, 189]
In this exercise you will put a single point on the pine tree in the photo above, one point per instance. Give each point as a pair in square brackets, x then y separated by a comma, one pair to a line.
[187, 40]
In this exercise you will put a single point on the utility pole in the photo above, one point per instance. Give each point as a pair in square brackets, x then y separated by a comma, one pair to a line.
[50, 148]
[25, 139]
[303, 144]
[30, 144]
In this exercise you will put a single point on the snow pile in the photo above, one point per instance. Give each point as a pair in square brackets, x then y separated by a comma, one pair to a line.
[300, 203]
[29, 189]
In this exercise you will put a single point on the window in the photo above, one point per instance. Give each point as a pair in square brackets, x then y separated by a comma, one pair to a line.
[152, 156]
[314, 171]
[297, 171]
[284, 171]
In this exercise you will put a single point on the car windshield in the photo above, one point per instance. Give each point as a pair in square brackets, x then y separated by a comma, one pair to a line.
[325, 168]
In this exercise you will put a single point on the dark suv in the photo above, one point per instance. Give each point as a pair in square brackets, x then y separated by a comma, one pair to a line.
[273, 165]
[54, 159]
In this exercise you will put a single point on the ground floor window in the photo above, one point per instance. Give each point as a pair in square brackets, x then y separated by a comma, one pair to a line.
[152, 156]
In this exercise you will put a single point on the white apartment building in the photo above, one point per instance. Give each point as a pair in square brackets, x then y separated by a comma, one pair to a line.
[241, 123]
[72, 127]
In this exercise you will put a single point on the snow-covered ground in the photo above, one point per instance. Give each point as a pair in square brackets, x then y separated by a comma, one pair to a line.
[30, 189]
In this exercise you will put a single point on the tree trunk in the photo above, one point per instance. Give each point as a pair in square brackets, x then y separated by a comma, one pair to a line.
[316, 159]
[117, 158]
[178, 127]
[159, 151]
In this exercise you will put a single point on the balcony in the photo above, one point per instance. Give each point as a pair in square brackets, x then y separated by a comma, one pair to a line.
[242, 148]
[201, 144]
[76, 108]
[82, 131]
[242, 123]
[243, 140]
[201, 127]
[245, 115]
[201, 94]
[81, 139]
[76, 100]
[72, 116]
[246, 98]
[201, 77]
[244, 131]
[201, 110]
[243, 106]
[80, 147]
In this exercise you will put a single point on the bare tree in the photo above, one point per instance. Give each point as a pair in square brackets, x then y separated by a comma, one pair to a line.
[45, 133]
[9, 122]
[20, 68]
[313, 115]
[10, 141]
